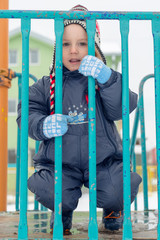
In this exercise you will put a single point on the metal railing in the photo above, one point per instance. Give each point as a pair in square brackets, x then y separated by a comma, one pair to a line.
[139, 116]
[18, 157]
[90, 17]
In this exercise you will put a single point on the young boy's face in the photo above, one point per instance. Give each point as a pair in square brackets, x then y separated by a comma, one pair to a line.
[75, 46]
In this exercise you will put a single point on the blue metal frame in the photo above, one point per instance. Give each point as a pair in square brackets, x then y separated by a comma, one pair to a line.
[23, 228]
[58, 227]
[127, 226]
[27, 14]
[124, 18]
[156, 37]
[92, 227]
[139, 116]
[17, 164]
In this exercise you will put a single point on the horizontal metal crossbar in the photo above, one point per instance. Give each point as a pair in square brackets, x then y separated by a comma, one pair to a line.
[90, 17]
[79, 15]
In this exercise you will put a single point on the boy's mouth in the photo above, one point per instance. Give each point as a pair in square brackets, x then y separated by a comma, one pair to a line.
[74, 61]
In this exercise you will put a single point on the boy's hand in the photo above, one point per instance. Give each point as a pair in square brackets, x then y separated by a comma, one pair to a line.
[92, 66]
[55, 125]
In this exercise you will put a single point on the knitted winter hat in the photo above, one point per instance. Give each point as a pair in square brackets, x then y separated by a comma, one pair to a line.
[82, 23]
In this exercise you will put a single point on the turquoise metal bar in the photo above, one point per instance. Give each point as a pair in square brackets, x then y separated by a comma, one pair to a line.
[37, 146]
[33, 77]
[134, 132]
[92, 227]
[143, 145]
[30, 76]
[132, 146]
[134, 170]
[18, 149]
[23, 229]
[43, 224]
[11, 165]
[36, 204]
[127, 226]
[124, 18]
[43, 208]
[79, 15]
[58, 227]
[156, 37]
[140, 115]
[19, 75]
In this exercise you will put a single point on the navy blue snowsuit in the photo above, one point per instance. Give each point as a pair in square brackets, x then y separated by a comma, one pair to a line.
[75, 142]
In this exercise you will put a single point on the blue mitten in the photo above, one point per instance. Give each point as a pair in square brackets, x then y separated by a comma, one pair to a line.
[55, 125]
[92, 66]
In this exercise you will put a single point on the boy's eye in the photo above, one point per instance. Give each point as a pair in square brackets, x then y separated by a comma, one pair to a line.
[83, 43]
[65, 44]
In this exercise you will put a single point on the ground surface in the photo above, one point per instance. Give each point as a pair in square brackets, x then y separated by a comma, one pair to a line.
[144, 226]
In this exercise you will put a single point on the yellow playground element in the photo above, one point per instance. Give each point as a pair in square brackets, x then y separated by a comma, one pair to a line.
[152, 177]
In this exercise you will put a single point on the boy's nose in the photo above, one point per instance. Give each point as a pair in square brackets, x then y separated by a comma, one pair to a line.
[74, 49]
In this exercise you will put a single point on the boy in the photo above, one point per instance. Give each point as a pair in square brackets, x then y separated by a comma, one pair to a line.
[44, 126]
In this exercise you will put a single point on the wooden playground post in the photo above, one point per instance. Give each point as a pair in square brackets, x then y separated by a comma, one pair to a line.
[3, 109]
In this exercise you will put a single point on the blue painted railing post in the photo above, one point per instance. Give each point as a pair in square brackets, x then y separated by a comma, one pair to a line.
[134, 132]
[143, 146]
[58, 227]
[23, 229]
[92, 227]
[132, 146]
[127, 226]
[134, 170]
[19, 75]
[36, 203]
[18, 149]
[140, 115]
[156, 36]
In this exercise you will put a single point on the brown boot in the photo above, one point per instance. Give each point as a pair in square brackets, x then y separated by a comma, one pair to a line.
[65, 232]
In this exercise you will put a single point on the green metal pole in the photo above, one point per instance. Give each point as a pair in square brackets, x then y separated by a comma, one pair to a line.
[92, 227]
[18, 148]
[144, 157]
[156, 36]
[127, 226]
[140, 114]
[23, 228]
[132, 146]
[36, 204]
[143, 146]
[58, 227]
[134, 170]
[134, 132]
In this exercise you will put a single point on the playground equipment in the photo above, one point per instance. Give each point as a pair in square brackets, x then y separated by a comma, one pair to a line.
[139, 116]
[90, 17]
[19, 75]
